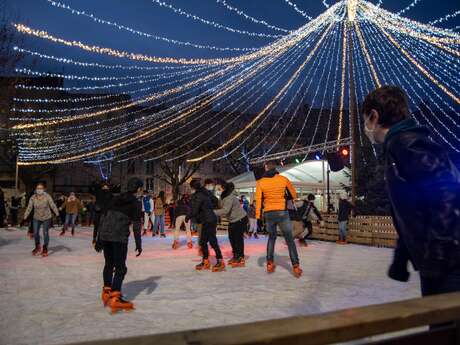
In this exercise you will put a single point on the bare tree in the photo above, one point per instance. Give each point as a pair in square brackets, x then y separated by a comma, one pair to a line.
[177, 173]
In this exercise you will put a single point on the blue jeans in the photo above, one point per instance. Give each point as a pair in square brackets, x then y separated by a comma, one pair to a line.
[70, 220]
[281, 219]
[45, 224]
[343, 230]
[159, 222]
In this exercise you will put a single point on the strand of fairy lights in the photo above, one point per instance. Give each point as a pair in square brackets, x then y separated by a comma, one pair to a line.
[343, 76]
[254, 20]
[298, 10]
[211, 120]
[407, 8]
[140, 33]
[210, 123]
[112, 104]
[360, 81]
[386, 63]
[268, 106]
[68, 60]
[212, 23]
[445, 18]
[367, 55]
[147, 133]
[320, 59]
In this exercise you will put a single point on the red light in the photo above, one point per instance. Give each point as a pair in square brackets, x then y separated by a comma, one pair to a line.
[345, 152]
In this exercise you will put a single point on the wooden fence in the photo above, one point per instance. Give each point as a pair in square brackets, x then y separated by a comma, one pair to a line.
[370, 230]
[330, 328]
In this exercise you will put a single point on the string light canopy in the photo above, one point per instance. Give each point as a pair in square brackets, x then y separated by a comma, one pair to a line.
[291, 92]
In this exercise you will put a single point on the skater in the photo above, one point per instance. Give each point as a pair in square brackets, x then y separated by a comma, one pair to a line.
[424, 189]
[159, 211]
[202, 204]
[272, 192]
[253, 224]
[14, 209]
[238, 222]
[113, 237]
[309, 212]
[182, 210]
[103, 197]
[345, 207]
[72, 207]
[42, 205]
[59, 202]
[147, 210]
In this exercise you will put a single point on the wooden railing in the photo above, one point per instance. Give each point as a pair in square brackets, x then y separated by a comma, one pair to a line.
[370, 230]
[339, 326]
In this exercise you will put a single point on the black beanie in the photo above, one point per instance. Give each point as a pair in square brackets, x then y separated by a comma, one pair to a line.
[134, 184]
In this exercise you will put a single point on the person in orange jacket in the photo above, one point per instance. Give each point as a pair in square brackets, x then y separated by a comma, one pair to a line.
[272, 193]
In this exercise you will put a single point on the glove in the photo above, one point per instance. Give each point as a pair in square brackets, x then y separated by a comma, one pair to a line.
[139, 251]
[398, 272]
[98, 246]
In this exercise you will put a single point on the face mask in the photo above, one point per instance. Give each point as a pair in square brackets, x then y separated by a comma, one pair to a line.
[210, 187]
[218, 193]
[370, 134]
[39, 191]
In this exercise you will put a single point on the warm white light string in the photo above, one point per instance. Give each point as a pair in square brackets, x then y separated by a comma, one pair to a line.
[252, 19]
[140, 33]
[298, 10]
[212, 23]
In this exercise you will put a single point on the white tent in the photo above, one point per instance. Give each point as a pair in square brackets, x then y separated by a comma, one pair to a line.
[307, 177]
[310, 175]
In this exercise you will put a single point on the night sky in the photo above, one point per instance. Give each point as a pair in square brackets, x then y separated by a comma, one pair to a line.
[144, 15]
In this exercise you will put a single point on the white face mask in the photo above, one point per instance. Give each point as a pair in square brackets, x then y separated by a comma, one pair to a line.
[40, 191]
[218, 193]
[370, 133]
[210, 187]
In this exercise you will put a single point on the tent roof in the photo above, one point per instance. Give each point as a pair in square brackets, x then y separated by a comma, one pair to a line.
[306, 174]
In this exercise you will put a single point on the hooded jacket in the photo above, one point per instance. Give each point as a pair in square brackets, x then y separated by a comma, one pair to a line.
[202, 204]
[424, 190]
[124, 210]
[231, 208]
[272, 192]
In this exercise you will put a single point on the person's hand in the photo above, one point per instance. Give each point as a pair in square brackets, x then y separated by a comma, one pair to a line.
[98, 246]
[138, 251]
[321, 223]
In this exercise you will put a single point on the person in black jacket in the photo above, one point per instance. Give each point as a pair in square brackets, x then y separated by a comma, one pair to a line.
[113, 236]
[424, 190]
[103, 196]
[343, 216]
[308, 212]
[202, 204]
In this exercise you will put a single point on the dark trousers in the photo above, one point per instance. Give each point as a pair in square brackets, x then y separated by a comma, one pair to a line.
[209, 234]
[97, 219]
[115, 264]
[309, 226]
[236, 236]
[14, 217]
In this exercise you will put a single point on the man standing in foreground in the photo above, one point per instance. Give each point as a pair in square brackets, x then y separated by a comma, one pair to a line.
[424, 190]
[272, 193]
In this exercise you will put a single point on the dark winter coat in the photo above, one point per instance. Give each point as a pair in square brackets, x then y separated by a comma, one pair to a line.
[103, 198]
[122, 211]
[182, 208]
[345, 208]
[202, 204]
[424, 190]
[308, 208]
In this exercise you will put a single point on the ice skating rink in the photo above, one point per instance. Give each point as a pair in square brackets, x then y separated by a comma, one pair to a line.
[56, 300]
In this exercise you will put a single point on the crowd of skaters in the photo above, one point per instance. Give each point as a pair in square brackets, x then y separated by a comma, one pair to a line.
[422, 183]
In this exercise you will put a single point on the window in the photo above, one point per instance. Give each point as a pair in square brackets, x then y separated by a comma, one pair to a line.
[149, 167]
[149, 184]
[131, 167]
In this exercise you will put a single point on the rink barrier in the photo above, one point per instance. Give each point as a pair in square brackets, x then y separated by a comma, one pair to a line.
[368, 324]
[375, 231]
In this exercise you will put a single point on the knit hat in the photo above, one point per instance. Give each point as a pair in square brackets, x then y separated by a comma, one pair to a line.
[134, 184]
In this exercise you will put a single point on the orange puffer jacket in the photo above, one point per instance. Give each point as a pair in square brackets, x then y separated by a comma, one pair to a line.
[272, 191]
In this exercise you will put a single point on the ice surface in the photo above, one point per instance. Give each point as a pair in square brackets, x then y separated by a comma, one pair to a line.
[55, 300]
